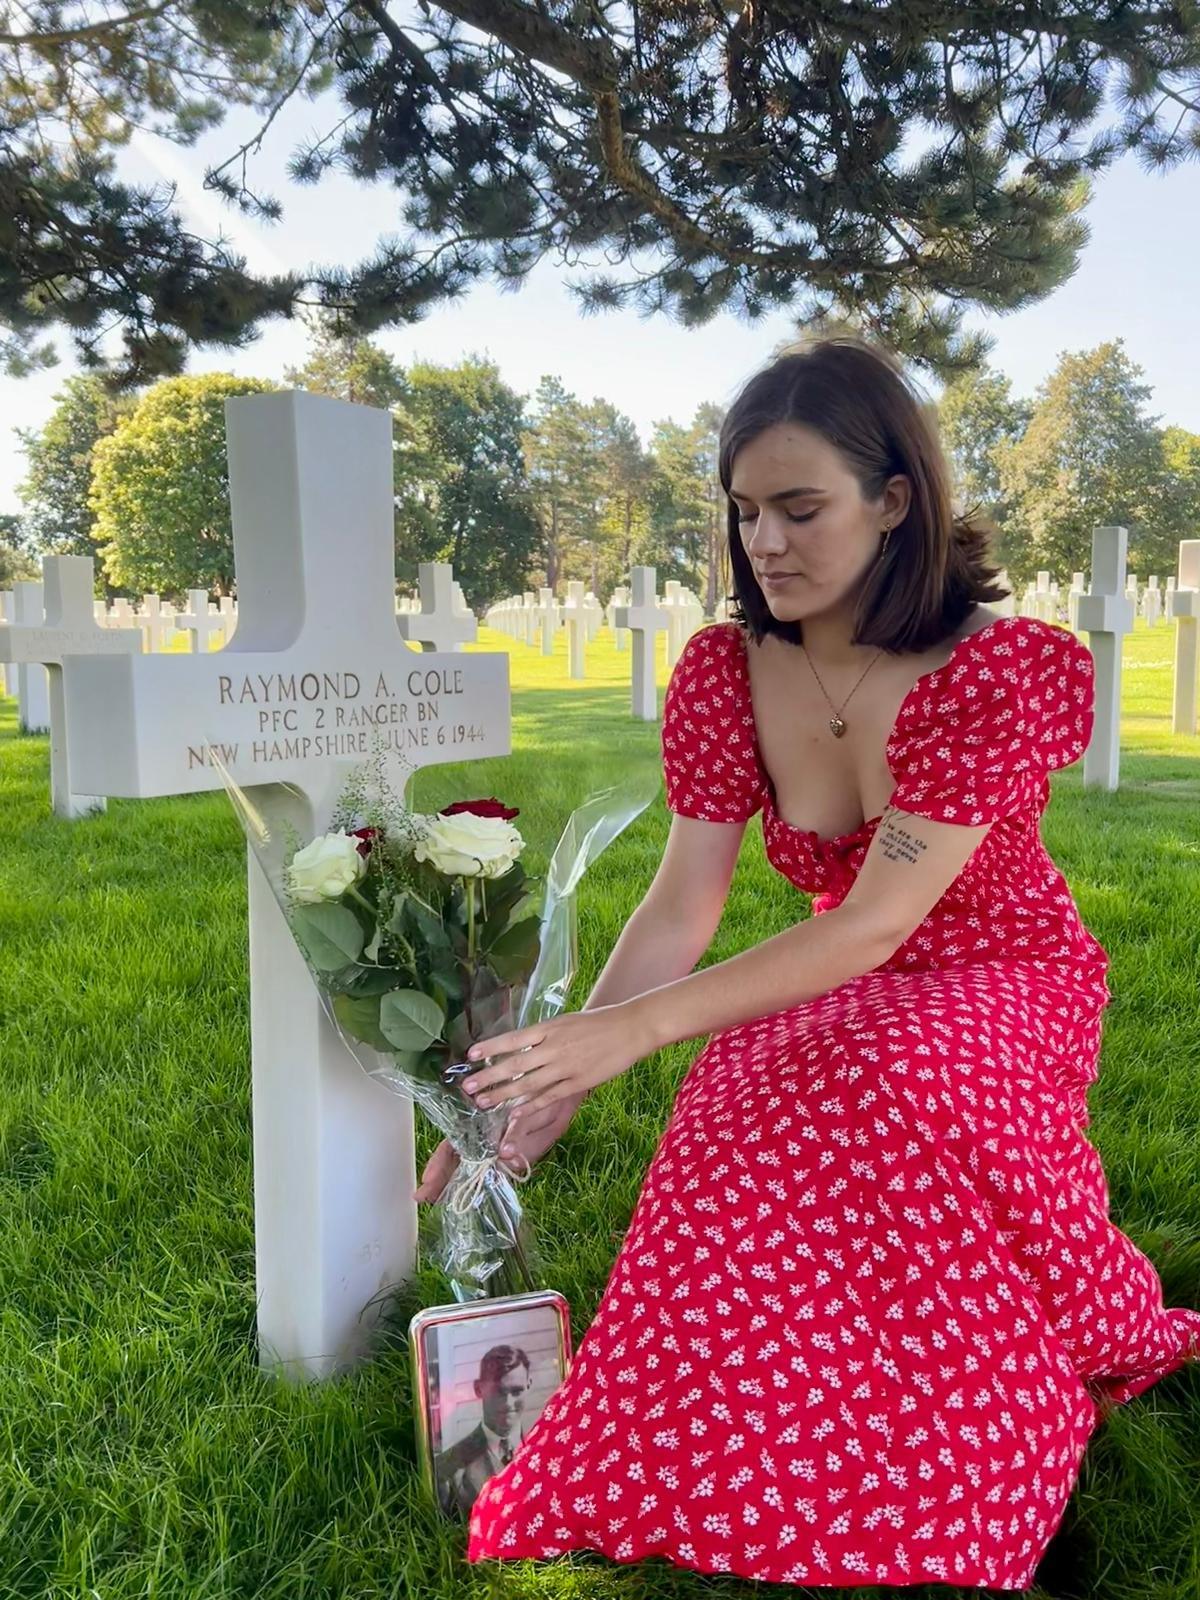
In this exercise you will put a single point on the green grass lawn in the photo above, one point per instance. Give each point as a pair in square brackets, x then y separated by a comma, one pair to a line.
[144, 1454]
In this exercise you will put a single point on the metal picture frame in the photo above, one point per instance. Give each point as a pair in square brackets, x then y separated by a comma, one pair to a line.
[482, 1372]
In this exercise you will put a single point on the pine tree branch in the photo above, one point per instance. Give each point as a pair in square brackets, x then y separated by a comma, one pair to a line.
[534, 35]
[89, 30]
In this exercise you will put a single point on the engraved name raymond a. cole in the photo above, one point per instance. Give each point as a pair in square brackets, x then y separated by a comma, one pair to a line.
[291, 716]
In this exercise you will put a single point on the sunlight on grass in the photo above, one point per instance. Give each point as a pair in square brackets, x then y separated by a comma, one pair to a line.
[144, 1453]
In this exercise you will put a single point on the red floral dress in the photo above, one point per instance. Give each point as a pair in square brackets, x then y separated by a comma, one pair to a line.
[870, 1295]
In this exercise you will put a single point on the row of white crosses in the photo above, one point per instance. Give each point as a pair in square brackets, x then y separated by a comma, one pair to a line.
[524, 619]
[317, 670]
[581, 615]
[1042, 599]
[206, 623]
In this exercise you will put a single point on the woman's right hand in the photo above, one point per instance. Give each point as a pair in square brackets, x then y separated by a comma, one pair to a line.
[536, 1131]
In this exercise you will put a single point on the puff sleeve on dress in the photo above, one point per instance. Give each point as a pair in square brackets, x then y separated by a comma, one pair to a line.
[711, 766]
[977, 737]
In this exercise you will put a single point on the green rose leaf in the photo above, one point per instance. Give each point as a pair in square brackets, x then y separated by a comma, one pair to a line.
[376, 980]
[514, 954]
[411, 1020]
[520, 939]
[498, 922]
[430, 927]
[330, 934]
[449, 976]
[359, 1016]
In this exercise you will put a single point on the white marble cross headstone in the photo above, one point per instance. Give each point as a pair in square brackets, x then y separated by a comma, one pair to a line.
[575, 617]
[157, 621]
[69, 626]
[1106, 615]
[547, 614]
[438, 625]
[33, 684]
[620, 597]
[198, 622]
[317, 669]
[675, 609]
[1186, 611]
[527, 618]
[645, 618]
[1076, 589]
[227, 606]
[1152, 601]
[6, 611]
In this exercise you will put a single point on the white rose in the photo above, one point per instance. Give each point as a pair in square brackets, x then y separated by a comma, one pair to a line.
[326, 868]
[470, 846]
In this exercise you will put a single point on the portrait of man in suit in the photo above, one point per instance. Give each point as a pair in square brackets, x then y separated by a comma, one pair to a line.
[464, 1468]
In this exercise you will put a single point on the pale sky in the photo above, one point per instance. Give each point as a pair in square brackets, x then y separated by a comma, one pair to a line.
[1136, 280]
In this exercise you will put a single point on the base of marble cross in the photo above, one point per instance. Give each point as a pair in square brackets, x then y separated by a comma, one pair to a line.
[64, 802]
[334, 1168]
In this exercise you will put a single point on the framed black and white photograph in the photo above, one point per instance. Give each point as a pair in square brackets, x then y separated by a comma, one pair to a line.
[482, 1374]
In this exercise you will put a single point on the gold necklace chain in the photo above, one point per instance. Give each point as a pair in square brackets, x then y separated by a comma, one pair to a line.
[837, 724]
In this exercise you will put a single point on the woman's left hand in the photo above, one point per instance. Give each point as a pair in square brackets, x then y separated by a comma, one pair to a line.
[565, 1055]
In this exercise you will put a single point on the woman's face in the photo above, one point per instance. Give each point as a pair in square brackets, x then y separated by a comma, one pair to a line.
[801, 512]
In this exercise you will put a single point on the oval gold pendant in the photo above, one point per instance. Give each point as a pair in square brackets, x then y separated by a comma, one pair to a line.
[837, 727]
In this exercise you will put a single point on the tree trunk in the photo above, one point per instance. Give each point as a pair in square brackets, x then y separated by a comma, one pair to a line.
[552, 551]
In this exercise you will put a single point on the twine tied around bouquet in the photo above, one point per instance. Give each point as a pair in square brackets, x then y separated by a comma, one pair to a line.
[477, 1169]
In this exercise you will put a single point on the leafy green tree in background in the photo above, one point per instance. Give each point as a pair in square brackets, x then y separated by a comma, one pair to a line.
[58, 520]
[718, 574]
[977, 414]
[1178, 512]
[896, 165]
[16, 560]
[348, 368]
[160, 488]
[683, 537]
[626, 472]
[565, 482]
[483, 518]
[1090, 456]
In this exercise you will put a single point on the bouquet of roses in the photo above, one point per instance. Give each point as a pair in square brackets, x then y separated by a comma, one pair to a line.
[424, 936]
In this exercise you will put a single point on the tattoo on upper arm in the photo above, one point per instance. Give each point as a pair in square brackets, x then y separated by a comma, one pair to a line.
[896, 842]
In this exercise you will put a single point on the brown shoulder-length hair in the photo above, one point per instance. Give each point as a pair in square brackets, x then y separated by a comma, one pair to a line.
[938, 563]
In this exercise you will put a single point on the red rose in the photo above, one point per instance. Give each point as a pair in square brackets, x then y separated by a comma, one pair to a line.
[482, 808]
[366, 837]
